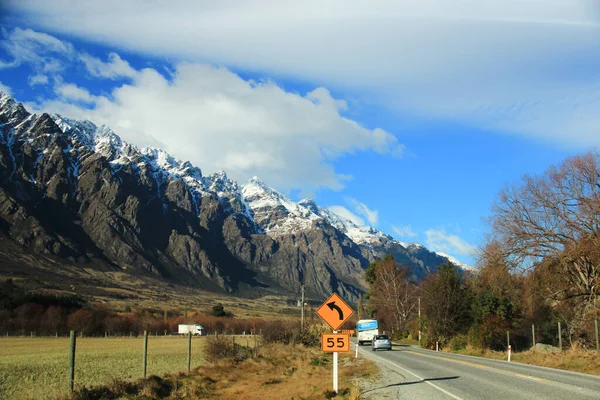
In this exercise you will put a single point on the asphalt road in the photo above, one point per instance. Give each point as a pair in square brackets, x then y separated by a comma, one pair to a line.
[413, 373]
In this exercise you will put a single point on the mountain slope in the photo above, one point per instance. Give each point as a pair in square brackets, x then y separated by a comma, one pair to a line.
[76, 191]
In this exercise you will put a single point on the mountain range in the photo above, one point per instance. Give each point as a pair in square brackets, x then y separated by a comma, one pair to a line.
[75, 192]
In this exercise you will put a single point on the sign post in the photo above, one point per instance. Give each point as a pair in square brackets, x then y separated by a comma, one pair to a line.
[335, 370]
[335, 311]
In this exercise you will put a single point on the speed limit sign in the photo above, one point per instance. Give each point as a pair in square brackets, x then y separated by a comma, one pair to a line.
[335, 343]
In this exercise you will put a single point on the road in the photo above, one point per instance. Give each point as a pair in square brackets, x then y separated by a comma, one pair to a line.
[413, 373]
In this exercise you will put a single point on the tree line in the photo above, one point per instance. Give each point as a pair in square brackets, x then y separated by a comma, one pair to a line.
[539, 265]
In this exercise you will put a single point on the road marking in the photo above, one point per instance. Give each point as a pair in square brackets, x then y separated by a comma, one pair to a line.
[480, 366]
[420, 378]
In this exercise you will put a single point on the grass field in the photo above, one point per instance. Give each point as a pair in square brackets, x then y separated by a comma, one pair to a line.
[37, 368]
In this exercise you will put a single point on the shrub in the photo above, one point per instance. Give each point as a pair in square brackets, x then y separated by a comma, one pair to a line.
[458, 342]
[399, 335]
[222, 349]
[277, 332]
[476, 338]
[311, 337]
[290, 333]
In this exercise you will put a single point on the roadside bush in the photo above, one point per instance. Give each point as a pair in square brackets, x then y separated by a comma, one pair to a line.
[277, 332]
[290, 333]
[311, 337]
[222, 349]
[475, 338]
[399, 335]
[458, 342]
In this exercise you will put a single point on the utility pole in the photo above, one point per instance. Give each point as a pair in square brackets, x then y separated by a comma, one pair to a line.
[302, 315]
[419, 321]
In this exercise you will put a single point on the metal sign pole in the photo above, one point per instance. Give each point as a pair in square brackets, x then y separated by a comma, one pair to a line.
[335, 370]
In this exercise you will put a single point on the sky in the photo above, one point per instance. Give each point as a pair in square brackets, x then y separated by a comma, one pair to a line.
[406, 115]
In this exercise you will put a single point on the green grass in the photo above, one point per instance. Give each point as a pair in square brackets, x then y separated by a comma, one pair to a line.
[37, 368]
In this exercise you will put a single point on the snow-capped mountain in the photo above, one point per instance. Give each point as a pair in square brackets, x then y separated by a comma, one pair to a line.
[73, 189]
[272, 211]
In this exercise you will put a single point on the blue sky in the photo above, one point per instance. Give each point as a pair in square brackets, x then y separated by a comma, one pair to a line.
[407, 115]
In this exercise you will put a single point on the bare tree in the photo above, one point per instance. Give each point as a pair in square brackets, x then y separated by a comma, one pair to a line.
[393, 294]
[553, 221]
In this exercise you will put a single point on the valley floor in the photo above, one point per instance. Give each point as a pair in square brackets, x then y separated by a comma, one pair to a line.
[37, 368]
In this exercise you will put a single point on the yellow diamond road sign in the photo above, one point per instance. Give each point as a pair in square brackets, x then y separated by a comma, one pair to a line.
[335, 311]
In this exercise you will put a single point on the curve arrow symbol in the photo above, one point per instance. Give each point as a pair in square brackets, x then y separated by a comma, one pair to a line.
[333, 306]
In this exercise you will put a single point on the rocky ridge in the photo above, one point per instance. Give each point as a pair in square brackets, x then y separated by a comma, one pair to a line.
[74, 190]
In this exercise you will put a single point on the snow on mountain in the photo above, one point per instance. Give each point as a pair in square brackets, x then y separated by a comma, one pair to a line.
[455, 261]
[228, 191]
[278, 215]
[359, 234]
[275, 213]
[173, 166]
[272, 212]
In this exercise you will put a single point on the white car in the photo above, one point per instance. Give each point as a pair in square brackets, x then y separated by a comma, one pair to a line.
[381, 342]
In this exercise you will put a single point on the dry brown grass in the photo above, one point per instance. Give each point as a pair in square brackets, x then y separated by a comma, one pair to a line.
[572, 360]
[279, 372]
[285, 372]
[585, 361]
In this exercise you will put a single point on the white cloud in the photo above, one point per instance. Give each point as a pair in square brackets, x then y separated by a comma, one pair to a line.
[438, 240]
[115, 68]
[347, 214]
[39, 79]
[5, 89]
[525, 66]
[70, 92]
[45, 52]
[404, 231]
[361, 208]
[220, 121]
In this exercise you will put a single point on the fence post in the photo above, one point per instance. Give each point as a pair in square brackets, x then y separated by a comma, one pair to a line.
[72, 361]
[533, 335]
[559, 337]
[507, 339]
[596, 330]
[145, 351]
[189, 351]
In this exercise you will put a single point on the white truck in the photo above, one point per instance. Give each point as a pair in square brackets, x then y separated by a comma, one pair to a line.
[365, 330]
[195, 329]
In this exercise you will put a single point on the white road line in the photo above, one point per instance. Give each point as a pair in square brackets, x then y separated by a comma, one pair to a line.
[418, 377]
